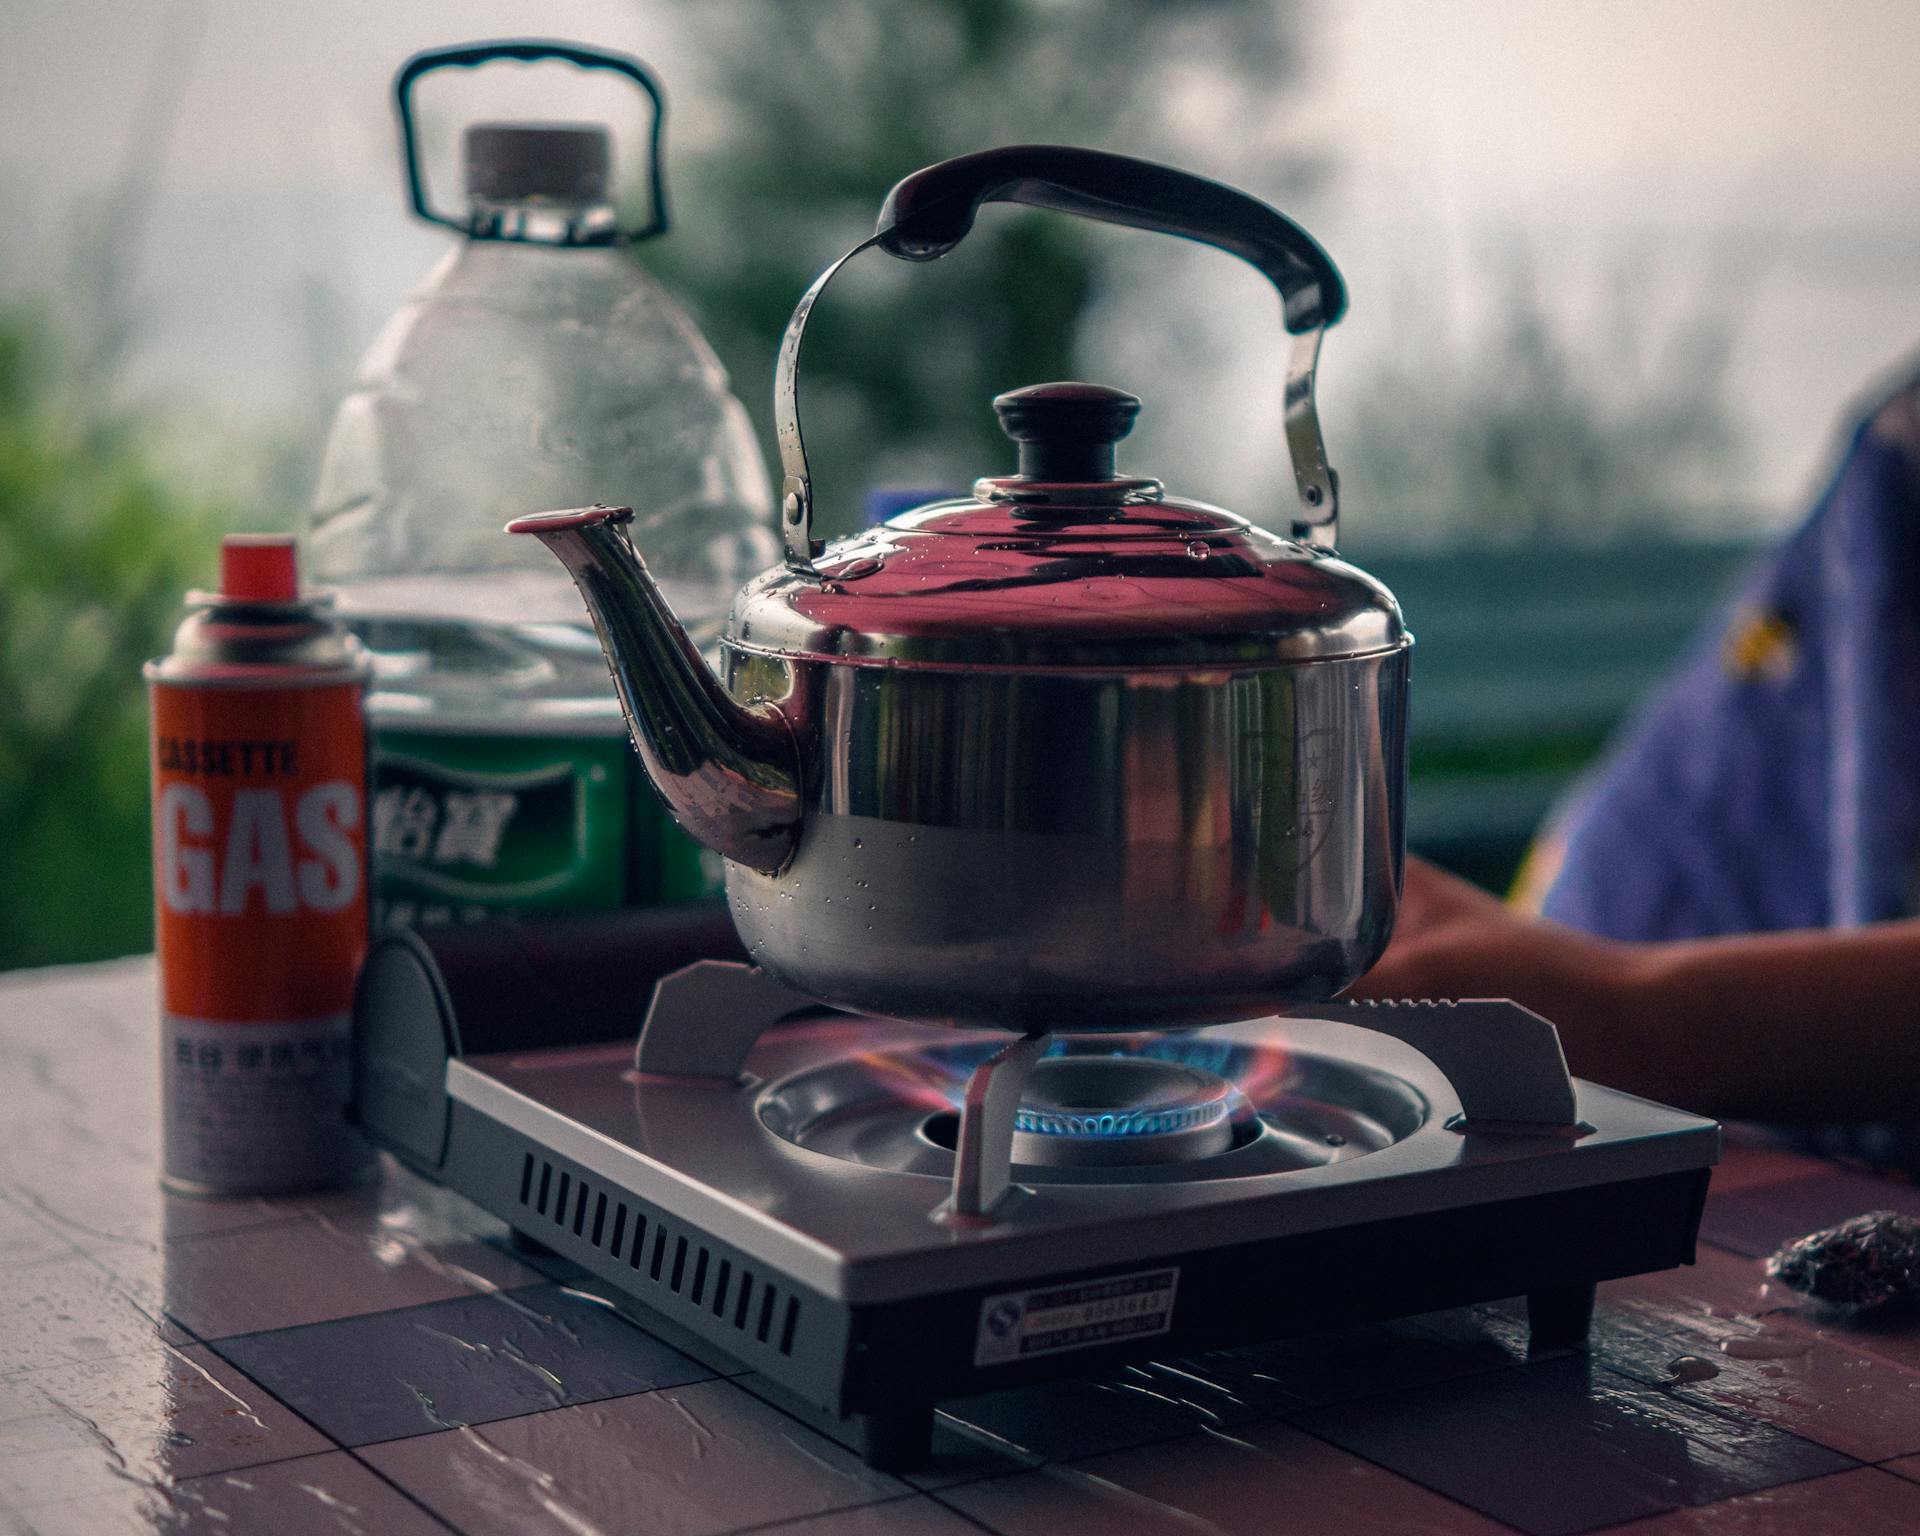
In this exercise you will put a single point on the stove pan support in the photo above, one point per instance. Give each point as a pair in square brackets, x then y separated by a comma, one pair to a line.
[983, 1153]
[1504, 1061]
[1506, 1064]
[705, 1017]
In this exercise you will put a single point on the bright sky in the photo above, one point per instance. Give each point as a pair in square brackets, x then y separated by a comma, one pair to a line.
[1684, 132]
[1766, 144]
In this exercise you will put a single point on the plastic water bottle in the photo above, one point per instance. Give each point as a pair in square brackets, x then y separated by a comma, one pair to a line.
[531, 371]
[538, 366]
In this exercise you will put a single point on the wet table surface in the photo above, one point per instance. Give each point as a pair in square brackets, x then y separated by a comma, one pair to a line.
[381, 1361]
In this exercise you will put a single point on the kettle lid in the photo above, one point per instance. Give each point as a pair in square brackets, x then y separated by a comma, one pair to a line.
[1067, 563]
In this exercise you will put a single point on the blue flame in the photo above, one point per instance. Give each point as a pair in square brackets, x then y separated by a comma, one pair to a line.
[1127, 1122]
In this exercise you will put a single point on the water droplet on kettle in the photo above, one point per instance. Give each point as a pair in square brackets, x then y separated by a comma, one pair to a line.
[1197, 551]
[857, 843]
[1335, 1139]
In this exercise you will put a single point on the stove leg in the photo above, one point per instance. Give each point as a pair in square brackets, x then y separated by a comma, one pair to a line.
[900, 1440]
[1559, 1318]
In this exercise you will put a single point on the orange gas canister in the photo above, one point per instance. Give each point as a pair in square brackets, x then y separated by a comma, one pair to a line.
[260, 880]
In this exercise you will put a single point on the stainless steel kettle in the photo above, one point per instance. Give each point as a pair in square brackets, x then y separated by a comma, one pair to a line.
[1070, 754]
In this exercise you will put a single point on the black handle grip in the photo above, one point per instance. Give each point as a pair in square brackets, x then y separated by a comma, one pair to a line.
[930, 212]
[531, 51]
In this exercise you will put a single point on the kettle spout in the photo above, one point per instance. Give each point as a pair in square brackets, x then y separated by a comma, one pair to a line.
[729, 772]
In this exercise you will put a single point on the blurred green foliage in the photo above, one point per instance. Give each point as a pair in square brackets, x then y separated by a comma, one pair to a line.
[821, 107]
[96, 551]
[1533, 429]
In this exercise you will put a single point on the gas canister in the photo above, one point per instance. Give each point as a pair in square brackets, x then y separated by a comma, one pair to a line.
[260, 880]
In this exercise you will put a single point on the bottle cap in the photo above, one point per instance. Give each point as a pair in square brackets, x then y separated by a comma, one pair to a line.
[259, 568]
[561, 162]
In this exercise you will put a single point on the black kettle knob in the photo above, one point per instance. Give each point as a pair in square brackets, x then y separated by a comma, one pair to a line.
[1066, 432]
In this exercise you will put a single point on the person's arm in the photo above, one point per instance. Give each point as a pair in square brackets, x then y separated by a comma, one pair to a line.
[1785, 1026]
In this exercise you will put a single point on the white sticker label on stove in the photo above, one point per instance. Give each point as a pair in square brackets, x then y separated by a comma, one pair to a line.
[1022, 1324]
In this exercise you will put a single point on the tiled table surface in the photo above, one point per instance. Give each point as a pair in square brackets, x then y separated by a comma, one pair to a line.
[381, 1362]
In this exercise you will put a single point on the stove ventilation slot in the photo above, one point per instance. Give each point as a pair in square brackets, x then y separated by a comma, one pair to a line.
[677, 1263]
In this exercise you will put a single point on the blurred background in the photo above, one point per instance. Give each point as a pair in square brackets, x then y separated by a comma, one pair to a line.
[1621, 274]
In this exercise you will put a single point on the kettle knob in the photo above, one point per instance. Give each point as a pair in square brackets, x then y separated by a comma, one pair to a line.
[1066, 432]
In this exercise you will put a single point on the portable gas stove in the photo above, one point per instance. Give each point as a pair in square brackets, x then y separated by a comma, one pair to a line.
[872, 1216]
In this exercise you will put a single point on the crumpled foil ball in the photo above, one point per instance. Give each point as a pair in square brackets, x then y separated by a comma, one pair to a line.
[1868, 1262]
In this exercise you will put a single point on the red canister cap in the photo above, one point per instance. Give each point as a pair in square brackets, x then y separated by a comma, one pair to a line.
[259, 568]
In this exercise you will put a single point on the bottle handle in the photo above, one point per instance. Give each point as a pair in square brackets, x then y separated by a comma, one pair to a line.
[926, 215]
[530, 51]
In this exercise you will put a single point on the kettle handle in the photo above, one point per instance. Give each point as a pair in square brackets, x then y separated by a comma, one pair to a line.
[531, 51]
[926, 215]
[929, 213]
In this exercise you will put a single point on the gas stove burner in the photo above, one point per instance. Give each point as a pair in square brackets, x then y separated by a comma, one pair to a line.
[1117, 1110]
[868, 1217]
[1159, 1108]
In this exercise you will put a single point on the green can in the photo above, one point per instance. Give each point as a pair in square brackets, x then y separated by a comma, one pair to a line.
[504, 782]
